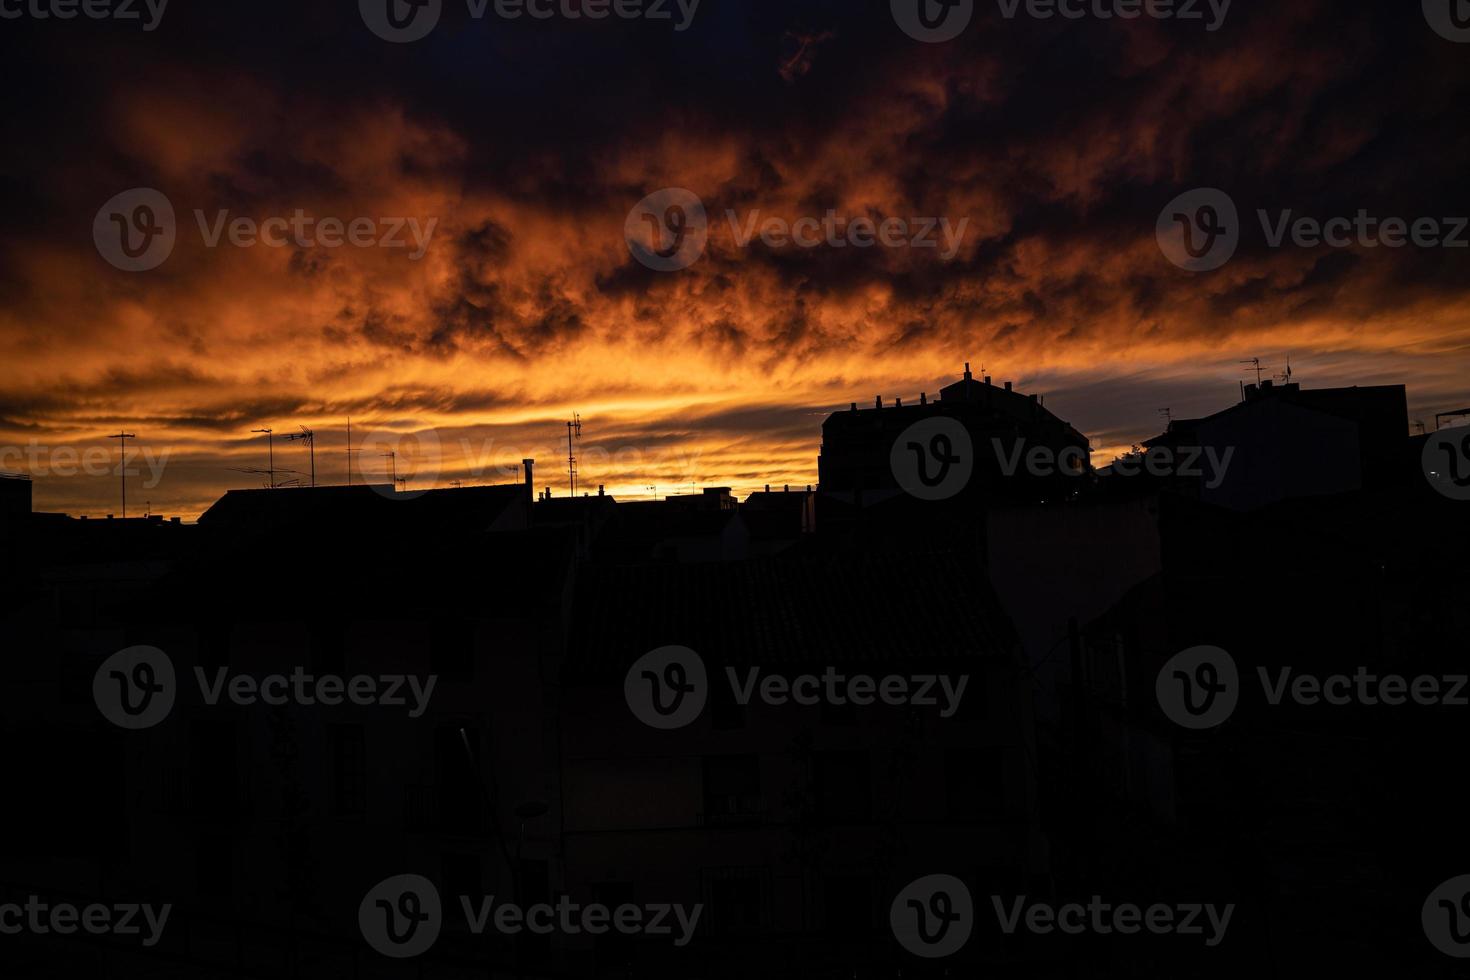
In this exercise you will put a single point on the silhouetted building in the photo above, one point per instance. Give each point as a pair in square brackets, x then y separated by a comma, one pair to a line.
[856, 465]
[15, 503]
[778, 519]
[1283, 441]
[795, 824]
[368, 509]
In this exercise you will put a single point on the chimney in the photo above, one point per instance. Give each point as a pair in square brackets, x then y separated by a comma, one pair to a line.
[786, 488]
[529, 466]
[878, 401]
[600, 489]
[987, 379]
[808, 488]
[923, 398]
[854, 406]
[967, 370]
[1008, 386]
[768, 488]
[898, 403]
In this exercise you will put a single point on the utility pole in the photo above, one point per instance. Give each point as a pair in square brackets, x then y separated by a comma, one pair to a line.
[122, 448]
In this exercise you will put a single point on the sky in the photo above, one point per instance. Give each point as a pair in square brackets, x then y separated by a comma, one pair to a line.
[497, 172]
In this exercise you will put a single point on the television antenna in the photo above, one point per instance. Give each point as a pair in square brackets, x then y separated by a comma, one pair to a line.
[1285, 376]
[270, 442]
[350, 450]
[122, 448]
[308, 437]
[1256, 362]
[574, 431]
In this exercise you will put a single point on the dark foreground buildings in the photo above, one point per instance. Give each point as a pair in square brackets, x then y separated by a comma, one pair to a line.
[783, 712]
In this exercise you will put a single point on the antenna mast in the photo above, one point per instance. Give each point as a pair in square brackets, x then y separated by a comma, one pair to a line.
[270, 443]
[350, 450]
[122, 448]
[392, 456]
[574, 430]
[1256, 361]
[308, 437]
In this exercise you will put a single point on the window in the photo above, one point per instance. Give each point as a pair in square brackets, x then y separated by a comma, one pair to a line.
[453, 653]
[462, 874]
[977, 783]
[328, 648]
[848, 900]
[732, 788]
[613, 951]
[214, 865]
[726, 713]
[349, 771]
[457, 776]
[736, 899]
[844, 786]
[214, 770]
